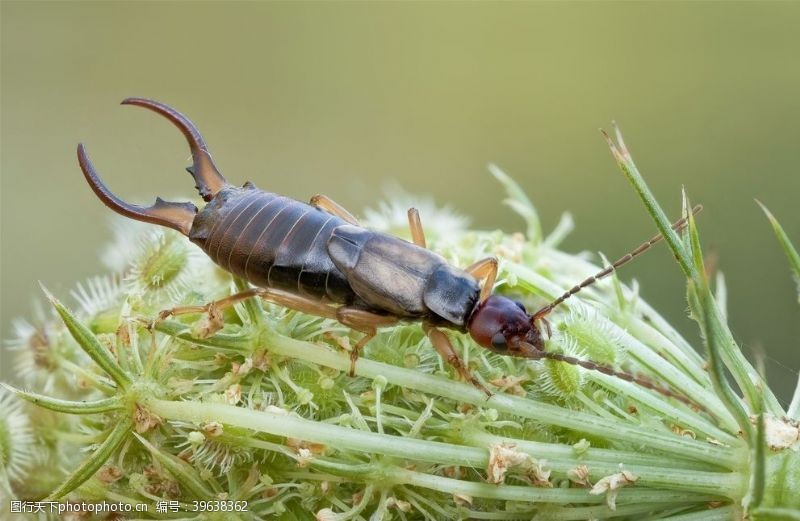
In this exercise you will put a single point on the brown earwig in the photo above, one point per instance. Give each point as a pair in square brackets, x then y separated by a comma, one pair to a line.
[317, 259]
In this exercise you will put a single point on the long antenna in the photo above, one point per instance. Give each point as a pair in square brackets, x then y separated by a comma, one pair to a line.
[678, 225]
[628, 377]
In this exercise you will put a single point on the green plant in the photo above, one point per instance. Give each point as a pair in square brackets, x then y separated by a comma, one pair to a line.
[263, 411]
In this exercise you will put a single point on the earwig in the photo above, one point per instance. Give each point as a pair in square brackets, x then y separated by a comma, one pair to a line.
[317, 259]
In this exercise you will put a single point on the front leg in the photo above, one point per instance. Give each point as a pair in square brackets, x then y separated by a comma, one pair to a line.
[485, 269]
[446, 351]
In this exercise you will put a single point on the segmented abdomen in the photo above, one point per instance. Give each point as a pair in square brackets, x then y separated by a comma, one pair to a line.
[276, 242]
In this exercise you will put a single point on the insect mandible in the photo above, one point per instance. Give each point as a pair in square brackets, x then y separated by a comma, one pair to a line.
[317, 259]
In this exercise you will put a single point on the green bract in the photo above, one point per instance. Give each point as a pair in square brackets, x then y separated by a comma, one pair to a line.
[125, 409]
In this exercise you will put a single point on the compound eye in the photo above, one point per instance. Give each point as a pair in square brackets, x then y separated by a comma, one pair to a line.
[520, 306]
[499, 341]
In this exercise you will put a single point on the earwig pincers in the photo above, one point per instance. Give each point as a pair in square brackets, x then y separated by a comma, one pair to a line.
[316, 258]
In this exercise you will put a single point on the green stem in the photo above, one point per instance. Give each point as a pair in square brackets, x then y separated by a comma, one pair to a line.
[759, 463]
[356, 509]
[754, 387]
[794, 408]
[256, 444]
[700, 298]
[101, 383]
[725, 513]
[327, 434]
[93, 463]
[67, 406]
[530, 494]
[603, 512]
[94, 489]
[342, 438]
[553, 450]
[788, 248]
[546, 413]
[89, 343]
[743, 373]
[628, 167]
[678, 415]
[393, 476]
[518, 201]
[663, 346]
[729, 484]
[183, 472]
[514, 515]
[775, 514]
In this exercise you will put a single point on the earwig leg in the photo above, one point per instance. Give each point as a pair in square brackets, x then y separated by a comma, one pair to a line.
[217, 305]
[282, 298]
[213, 309]
[297, 303]
[415, 225]
[484, 269]
[445, 349]
[324, 202]
[357, 349]
[365, 322]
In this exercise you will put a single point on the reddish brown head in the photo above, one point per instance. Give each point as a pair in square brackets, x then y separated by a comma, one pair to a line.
[505, 327]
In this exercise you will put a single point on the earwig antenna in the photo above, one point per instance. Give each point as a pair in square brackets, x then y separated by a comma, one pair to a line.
[535, 353]
[678, 225]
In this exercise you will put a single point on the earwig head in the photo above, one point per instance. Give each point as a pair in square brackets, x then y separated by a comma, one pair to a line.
[504, 326]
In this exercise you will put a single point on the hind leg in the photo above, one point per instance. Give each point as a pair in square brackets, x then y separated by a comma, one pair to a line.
[365, 322]
[358, 319]
[216, 305]
[282, 298]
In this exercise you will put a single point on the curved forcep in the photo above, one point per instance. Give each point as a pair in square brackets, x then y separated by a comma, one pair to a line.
[178, 216]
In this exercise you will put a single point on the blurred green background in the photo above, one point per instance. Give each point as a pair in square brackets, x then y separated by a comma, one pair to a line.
[340, 98]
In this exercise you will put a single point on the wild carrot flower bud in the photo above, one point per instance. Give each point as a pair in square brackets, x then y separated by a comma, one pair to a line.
[16, 440]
